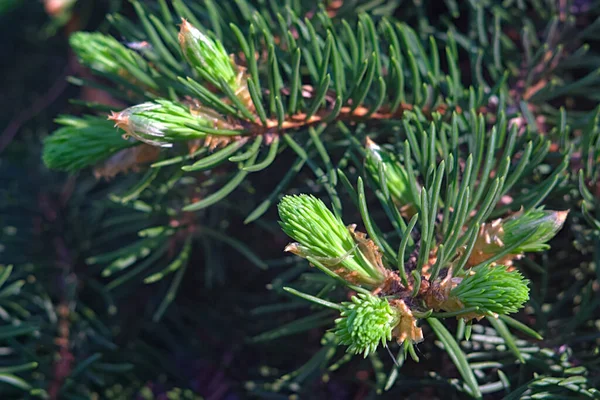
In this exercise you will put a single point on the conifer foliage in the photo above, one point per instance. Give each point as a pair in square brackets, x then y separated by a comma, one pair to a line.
[431, 167]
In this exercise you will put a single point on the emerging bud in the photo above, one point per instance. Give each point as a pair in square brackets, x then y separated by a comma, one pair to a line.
[545, 224]
[493, 237]
[165, 122]
[209, 58]
[207, 55]
[365, 322]
[105, 55]
[324, 237]
[494, 289]
[396, 177]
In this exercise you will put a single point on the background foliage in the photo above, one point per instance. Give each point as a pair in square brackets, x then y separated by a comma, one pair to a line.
[171, 279]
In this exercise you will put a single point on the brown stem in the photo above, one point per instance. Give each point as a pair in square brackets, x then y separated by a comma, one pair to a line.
[63, 365]
[358, 114]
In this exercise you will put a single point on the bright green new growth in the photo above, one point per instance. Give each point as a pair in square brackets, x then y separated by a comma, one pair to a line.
[206, 55]
[493, 289]
[365, 322]
[82, 142]
[165, 122]
[541, 224]
[396, 178]
[323, 236]
[105, 55]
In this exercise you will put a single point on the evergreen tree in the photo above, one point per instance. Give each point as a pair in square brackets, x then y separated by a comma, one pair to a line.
[433, 167]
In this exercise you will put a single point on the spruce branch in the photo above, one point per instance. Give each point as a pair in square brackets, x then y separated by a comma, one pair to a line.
[209, 58]
[450, 157]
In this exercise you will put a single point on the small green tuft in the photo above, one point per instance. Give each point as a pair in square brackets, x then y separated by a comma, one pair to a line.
[365, 322]
[324, 237]
[82, 142]
[494, 289]
[104, 54]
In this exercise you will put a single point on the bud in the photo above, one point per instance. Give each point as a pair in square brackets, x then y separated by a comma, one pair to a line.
[365, 322]
[493, 237]
[324, 237]
[545, 224]
[81, 142]
[396, 177]
[494, 289]
[207, 55]
[165, 122]
[104, 54]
